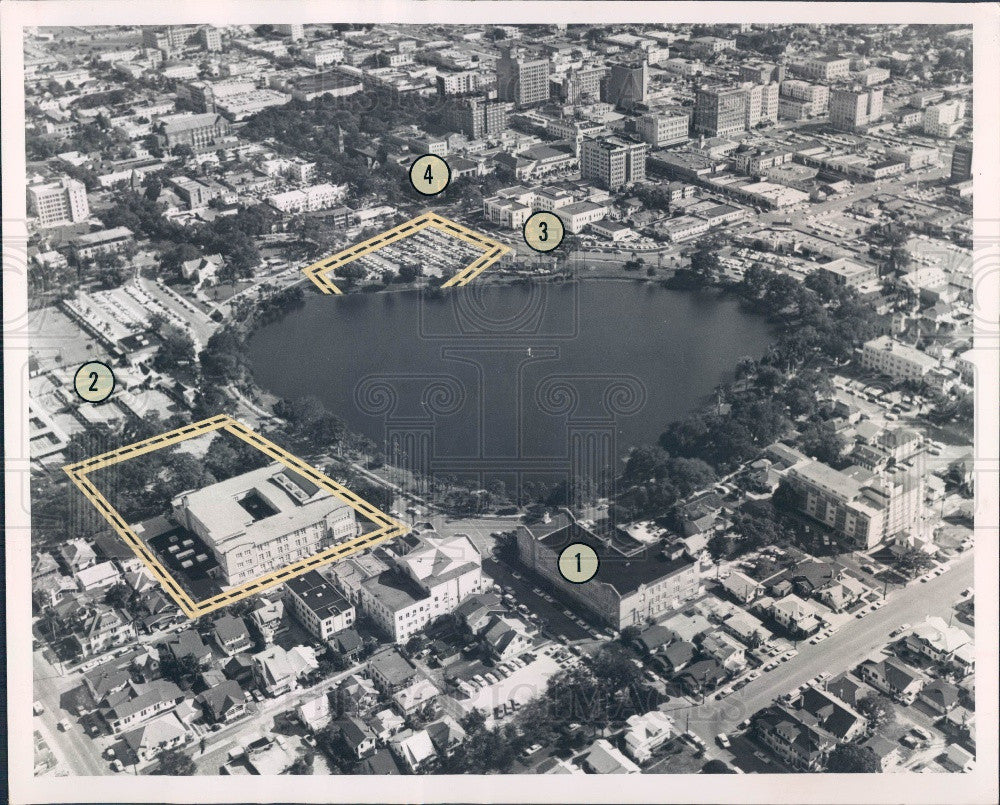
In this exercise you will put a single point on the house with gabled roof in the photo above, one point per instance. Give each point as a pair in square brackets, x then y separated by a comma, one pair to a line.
[161, 733]
[356, 736]
[940, 695]
[414, 749]
[100, 628]
[446, 735]
[138, 702]
[834, 715]
[893, 677]
[741, 587]
[231, 636]
[794, 736]
[189, 644]
[223, 703]
[936, 640]
[77, 554]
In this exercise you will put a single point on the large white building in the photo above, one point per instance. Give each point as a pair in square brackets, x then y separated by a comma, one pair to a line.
[58, 203]
[895, 359]
[428, 581]
[264, 520]
[663, 128]
[308, 199]
[945, 119]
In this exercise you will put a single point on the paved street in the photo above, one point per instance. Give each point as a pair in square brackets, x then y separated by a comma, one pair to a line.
[840, 652]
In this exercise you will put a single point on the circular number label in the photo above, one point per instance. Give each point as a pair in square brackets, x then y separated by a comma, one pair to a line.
[94, 382]
[543, 231]
[429, 175]
[578, 563]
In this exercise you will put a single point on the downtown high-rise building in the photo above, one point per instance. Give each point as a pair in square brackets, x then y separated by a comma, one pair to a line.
[659, 129]
[477, 116]
[961, 162]
[522, 79]
[761, 103]
[855, 108]
[613, 162]
[58, 203]
[627, 84]
[720, 111]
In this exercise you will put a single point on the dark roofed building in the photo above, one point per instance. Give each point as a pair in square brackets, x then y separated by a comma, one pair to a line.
[318, 605]
[633, 584]
[224, 702]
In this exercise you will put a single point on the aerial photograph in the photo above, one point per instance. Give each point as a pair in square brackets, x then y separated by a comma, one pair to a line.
[465, 399]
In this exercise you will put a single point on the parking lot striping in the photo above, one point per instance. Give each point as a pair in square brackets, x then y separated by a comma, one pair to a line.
[319, 272]
[389, 528]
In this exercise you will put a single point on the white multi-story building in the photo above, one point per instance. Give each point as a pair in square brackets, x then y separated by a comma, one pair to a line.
[579, 214]
[264, 520]
[319, 606]
[308, 199]
[895, 359]
[852, 109]
[945, 119]
[663, 128]
[59, 203]
[511, 206]
[823, 68]
[431, 580]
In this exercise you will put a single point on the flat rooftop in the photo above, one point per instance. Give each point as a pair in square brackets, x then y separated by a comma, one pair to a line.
[318, 594]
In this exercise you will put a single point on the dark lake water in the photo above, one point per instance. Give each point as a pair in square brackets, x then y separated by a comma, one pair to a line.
[509, 382]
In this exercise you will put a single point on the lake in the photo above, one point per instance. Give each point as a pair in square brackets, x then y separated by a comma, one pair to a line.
[509, 382]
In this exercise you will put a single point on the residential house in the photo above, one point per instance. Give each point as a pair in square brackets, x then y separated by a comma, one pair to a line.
[189, 644]
[356, 695]
[797, 616]
[955, 758]
[702, 676]
[106, 679]
[678, 655]
[278, 671]
[841, 593]
[269, 756]
[888, 753]
[223, 703]
[794, 736]
[724, 649]
[446, 735]
[315, 713]
[477, 611]
[412, 698]
[390, 670]
[936, 640]
[348, 644]
[162, 733]
[646, 733]
[845, 688]
[506, 637]
[653, 638]
[268, 619]
[741, 587]
[746, 628]
[77, 555]
[414, 749]
[138, 702]
[603, 758]
[831, 713]
[385, 724]
[893, 677]
[356, 736]
[556, 765]
[97, 577]
[100, 628]
[231, 635]
[940, 696]
[381, 763]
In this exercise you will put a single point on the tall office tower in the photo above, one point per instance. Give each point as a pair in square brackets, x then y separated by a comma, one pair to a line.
[581, 84]
[522, 79]
[57, 203]
[627, 84]
[720, 111]
[761, 103]
[477, 117]
[853, 109]
[211, 38]
[613, 162]
[961, 162]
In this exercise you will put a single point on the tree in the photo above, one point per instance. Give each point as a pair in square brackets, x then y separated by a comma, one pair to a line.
[853, 759]
[174, 763]
[176, 350]
[878, 709]
[179, 670]
[823, 444]
[613, 665]
[912, 560]
[303, 764]
[716, 767]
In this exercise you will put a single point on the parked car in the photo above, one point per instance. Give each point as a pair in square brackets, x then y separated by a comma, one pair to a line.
[117, 765]
[723, 740]
[37, 708]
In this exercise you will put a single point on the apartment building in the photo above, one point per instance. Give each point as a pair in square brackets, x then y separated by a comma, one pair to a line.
[308, 199]
[945, 119]
[196, 131]
[318, 605]
[961, 162]
[463, 82]
[578, 215]
[798, 100]
[59, 203]
[263, 520]
[613, 162]
[428, 581]
[580, 84]
[895, 359]
[863, 507]
[853, 109]
[761, 103]
[632, 585]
